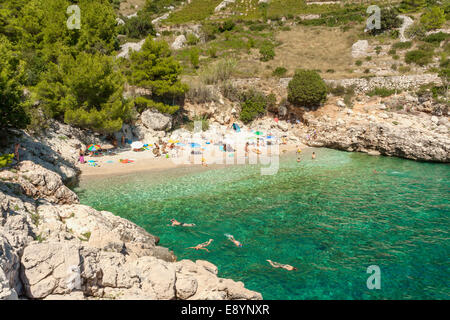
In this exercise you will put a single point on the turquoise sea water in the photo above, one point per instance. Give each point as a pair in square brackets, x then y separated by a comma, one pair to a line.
[331, 218]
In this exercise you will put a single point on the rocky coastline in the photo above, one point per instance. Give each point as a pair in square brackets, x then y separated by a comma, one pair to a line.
[52, 247]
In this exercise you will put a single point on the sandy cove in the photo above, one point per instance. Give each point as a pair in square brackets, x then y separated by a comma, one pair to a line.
[110, 165]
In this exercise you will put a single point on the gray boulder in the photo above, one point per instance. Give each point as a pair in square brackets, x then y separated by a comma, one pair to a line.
[156, 121]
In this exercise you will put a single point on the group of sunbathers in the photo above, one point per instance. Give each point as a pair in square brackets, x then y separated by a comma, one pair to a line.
[202, 246]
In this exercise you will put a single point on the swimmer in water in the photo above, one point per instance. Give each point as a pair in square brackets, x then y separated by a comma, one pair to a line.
[178, 223]
[232, 239]
[298, 159]
[283, 266]
[202, 246]
[313, 156]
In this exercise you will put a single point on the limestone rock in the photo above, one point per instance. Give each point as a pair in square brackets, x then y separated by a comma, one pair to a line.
[359, 48]
[156, 121]
[179, 42]
[223, 5]
[126, 48]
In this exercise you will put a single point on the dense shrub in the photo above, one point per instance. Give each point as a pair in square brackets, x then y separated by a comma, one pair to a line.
[307, 89]
[259, 27]
[416, 31]
[138, 27]
[192, 39]
[436, 37]
[381, 92]
[254, 104]
[419, 57]
[226, 25]
[209, 31]
[402, 45]
[212, 52]
[194, 57]
[433, 18]
[412, 5]
[279, 72]
[389, 21]
[266, 51]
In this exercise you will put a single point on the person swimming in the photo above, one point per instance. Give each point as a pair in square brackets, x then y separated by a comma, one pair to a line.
[178, 223]
[202, 246]
[313, 156]
[299, 159]
[232, 239]
[283, 266]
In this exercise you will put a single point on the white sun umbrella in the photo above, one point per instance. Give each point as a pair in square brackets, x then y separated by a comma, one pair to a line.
[137, 145]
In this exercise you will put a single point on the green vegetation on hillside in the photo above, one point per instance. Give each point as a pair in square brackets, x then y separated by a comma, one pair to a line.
[307, 89]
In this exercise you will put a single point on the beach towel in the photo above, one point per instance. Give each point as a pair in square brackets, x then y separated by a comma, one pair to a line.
[126, 161]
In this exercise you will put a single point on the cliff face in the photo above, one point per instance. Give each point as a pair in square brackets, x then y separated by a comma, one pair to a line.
[52, 247]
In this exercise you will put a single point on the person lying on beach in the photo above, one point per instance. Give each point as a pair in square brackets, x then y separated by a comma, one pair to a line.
[283, 266]
[178, 223]
[232, 239]
[202, 246]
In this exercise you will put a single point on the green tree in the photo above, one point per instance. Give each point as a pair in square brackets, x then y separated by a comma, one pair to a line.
[307, 89]
[254, 104]
[12, 112]
[154, 68]
[389, 21]
[85, 91]
[433, 18]
[138, 26]
[266, 51]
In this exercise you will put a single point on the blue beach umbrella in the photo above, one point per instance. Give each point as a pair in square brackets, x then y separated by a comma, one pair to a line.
[195, 145]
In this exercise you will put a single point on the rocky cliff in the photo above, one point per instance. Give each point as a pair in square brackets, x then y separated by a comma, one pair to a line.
[52, 247]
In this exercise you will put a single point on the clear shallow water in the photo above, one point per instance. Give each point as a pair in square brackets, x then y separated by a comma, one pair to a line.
[331, 218]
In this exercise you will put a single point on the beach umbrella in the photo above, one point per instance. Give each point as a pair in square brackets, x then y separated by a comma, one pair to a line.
[179, 144]
[137, 145]
[276, 119]
[93, 147]
[194, 145]
[259, 133]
